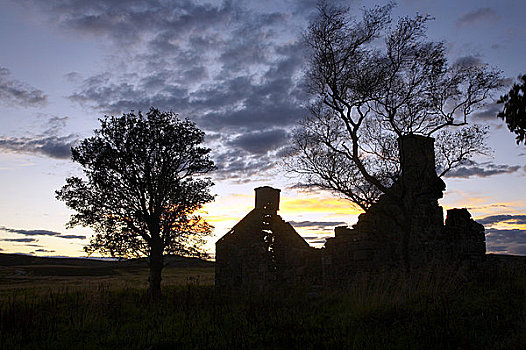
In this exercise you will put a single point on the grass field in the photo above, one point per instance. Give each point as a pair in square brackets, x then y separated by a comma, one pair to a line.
[105, 307]
[30, 274]
[45, 278]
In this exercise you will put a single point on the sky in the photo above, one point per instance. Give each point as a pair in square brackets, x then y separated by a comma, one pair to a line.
[235, 68]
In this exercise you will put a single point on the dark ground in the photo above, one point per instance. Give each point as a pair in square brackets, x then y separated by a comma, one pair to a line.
[85, 304]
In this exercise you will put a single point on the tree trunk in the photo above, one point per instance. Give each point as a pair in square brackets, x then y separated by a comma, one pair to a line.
[156, 266]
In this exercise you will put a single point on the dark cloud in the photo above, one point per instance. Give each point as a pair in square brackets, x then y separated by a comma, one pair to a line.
[17, 93]
[469, 61]
[260, 142]
[241, 167]
[53, 146]
[200, 59]
[126, 22]
[508, 219]
[328, 225]
[228, 103]
[20, 240]
[496, 249]
[489, 113]
[72, 236]
[512, 241]
[485, 14]
[39, 233]
[41, 250]
[481, 170]
[232, 67]
[30, 232]
[305, 7]
[48, 143]
[115, 97]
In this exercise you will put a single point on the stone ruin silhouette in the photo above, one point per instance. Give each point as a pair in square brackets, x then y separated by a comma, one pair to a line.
[404, 229]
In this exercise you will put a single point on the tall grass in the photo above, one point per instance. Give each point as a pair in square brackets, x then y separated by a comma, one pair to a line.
[446, 309]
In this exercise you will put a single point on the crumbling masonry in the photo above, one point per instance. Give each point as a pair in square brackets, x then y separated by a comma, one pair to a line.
[403, 229]
[262, 250]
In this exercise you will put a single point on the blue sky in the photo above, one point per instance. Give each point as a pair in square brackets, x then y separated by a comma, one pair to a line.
[235, 68]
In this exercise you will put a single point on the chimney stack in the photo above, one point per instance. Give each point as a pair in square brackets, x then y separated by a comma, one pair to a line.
[267, 198]
[417, 158]
[417, 161]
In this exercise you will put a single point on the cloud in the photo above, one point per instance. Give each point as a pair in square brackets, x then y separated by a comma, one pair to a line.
[233, 67]
[511, 241]
[260, 142]
[489, 113]
[47, 143]
[17, 93]
[41, 250]
[469, 61]
[232, 102]
[125, 22]
[320, 225]
[39, 233]
[30, 232]
[508, 219]
[481, 170]
[52, 146]
[484, 14]
[21, 240]
[241, 167]
[72, 236]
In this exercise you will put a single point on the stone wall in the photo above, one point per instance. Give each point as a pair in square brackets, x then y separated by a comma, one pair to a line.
[464, 238]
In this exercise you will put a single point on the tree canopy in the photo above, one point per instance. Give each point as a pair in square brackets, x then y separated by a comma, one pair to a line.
[142, 188]
[368, 92]
[514, 111]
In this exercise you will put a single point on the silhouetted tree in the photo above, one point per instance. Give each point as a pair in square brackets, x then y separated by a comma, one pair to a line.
[514, 112]
[366, 95]
[140, 193]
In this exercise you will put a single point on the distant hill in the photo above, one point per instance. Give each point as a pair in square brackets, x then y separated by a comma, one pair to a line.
[170, 260]
[499, 259]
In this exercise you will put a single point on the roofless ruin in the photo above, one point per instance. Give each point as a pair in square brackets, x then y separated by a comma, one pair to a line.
[403, 229]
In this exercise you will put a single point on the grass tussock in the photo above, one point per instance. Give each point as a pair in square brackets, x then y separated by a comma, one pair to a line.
[446, 309]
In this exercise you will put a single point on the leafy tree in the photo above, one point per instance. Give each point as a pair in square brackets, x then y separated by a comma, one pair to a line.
[514, 112]
[367, 93]
[140, 194]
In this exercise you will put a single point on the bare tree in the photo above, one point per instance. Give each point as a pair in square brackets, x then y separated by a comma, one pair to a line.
[368, 92]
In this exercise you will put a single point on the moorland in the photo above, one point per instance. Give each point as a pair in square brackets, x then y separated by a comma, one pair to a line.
[51, 303]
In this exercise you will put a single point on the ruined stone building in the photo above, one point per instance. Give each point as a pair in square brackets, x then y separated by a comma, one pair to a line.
[262, 249]
[403, 229]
